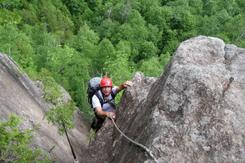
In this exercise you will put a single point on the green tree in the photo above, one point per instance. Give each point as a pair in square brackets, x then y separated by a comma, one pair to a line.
[151, 67]
[16, 44]
[57, 19]
[76, 76]
[106, 50]
[86, 43]
[15, 143]
[61, 116]
[42, 42]
[118, 67]
[8, 17]
[29, 13]
[107, 29]
[10, 4]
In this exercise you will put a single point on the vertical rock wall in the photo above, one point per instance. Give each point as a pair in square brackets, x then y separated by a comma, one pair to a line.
[195, 112]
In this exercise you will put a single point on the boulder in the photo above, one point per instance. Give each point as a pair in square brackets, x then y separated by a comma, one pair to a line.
[194, 112]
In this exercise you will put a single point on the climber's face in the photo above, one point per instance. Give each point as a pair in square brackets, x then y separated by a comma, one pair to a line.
[106, 91]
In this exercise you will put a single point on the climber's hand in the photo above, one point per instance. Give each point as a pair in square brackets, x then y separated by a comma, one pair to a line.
[111, 115]
[126, 84]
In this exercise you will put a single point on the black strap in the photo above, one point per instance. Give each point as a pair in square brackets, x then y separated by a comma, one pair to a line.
[102, 101]
[113, 95]
[97, 94]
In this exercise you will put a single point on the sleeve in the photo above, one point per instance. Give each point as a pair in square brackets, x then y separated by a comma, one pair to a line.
[114, 90]
[95, 102]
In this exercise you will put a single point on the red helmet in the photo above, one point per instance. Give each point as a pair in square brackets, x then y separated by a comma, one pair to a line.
[105, 82]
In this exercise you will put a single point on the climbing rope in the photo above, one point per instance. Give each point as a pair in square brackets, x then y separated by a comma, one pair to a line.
[68, 139]
[136, 143]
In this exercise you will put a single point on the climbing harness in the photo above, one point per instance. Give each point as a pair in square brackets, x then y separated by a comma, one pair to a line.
[72, 151]
[136, 143]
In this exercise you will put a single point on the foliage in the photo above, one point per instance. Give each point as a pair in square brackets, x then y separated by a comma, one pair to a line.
[15, 143]
[151, 67]
[16, 44]
[9, 17]
[50, 87]
[164, 59]
[62, 113]
[122, 72]
[61, 116]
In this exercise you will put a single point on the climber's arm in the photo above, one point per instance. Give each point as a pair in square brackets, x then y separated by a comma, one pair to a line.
[124, 85]
[104, 114]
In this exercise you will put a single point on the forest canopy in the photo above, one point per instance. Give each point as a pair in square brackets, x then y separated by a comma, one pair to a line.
[74, 40]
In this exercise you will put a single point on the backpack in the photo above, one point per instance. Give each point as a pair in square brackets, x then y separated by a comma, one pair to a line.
[93, 89]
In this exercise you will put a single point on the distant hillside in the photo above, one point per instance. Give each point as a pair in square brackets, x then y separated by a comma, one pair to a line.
[74, 40]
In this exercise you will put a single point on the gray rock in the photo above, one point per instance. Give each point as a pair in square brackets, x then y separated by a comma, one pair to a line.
[19, 95]
[195, 112]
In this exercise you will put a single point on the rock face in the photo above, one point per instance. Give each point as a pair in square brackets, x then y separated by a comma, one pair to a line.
[195, 112]
[20, 96]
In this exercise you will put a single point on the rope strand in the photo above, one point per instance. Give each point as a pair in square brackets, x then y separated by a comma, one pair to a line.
[136, 143]
[68, 139]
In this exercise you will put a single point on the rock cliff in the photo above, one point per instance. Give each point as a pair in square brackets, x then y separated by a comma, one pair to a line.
[19, 95]
[195, 112]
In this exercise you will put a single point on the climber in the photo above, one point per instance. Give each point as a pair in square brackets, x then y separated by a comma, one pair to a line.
[103, 101]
